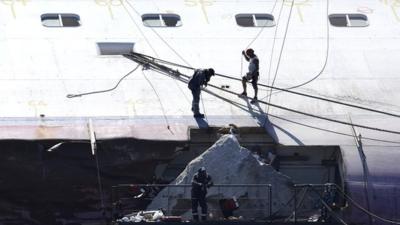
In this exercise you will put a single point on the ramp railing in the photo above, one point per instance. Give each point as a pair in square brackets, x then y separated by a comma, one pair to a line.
[320, 203]
[234, 201]
[315, 203]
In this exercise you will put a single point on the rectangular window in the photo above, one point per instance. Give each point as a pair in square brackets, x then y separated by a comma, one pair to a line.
[161, 20]
[115, 48]
[255, 20]
[60, 20]
[348, 20]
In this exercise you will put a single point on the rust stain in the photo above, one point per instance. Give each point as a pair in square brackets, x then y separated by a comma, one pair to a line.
[11, 3]
[43, 132]
[394, 7]
[109, 4]
[203, 5]
[299, 7]
[37, 105]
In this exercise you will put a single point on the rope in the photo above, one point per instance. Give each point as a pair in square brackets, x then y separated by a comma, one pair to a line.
[179, 76]
[319, 98]
[159, 100]
[328, 207]
[134, 56]
[201, 97]
[159, 36]
[336, 132]
[98, 173]
[326, 54]
[280, 54]
[147, 41]
[313, 115]
[241, 106]
[359, 145]
[291, 121]
[99, 183]
[106, 90]
[255, 38]
[272, 51]
[140, 30]
[262, 29]
[293, 110]
[363, 209]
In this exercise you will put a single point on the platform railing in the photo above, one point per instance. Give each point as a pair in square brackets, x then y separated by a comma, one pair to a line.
[322, 198]
[309, 202]
[129, 198]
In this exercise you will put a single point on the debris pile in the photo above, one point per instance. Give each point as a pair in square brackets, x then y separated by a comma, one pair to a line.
[229, 164]
[143, 216]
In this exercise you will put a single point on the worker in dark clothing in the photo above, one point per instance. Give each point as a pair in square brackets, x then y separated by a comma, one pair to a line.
[200, 77]
[252, 75]
[200, 182]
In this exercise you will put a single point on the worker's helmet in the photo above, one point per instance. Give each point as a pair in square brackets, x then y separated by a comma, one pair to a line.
[202, 169]
[211, 71]
[250, 52]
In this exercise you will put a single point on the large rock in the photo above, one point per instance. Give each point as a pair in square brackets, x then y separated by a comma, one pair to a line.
[229, 163]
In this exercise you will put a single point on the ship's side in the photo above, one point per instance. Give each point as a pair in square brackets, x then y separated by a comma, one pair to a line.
[302, 51]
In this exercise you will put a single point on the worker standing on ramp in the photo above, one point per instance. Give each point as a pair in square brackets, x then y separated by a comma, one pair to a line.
[252, 75]
[200, 77]
[200, 182]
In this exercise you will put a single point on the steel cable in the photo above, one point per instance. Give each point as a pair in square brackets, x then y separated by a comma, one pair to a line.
[281, 52]
[363, 209]
[149, 58]
[273, 49]
[159, 100]
[106, 90]
[296, 111]
[326, 53]
[147, 40]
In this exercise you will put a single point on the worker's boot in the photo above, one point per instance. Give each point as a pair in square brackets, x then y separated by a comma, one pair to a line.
[196, 218]
[243, 94]
[254, 100]
[203, 218]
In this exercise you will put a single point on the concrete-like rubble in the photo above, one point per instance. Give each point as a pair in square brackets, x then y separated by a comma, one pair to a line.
[229, 163]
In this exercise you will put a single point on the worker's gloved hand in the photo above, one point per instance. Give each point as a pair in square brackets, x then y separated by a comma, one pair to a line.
[210, 184]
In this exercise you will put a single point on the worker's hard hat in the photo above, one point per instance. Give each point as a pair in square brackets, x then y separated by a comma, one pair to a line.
[202, 169]
[211, 71]
[249, 51]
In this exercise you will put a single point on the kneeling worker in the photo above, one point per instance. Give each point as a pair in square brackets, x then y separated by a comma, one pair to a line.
[252, 75]
[200, 77]
[200, 182]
